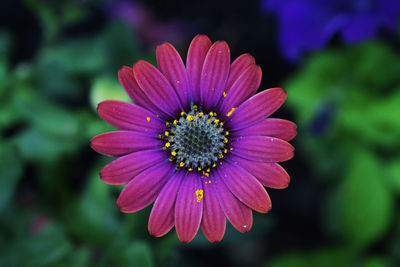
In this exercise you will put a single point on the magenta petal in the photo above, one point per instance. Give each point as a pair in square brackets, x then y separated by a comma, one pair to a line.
[124, 169]
[171, 65]
[256, 108]
[245, 86]
[131, 87]
[189, 208]
[269, 174]
[161, 218]
[239, 215]
[214, 74]
[214, 221]
[127, 116]
[282, 129]
[143, 190]
[245, 187]
[262, 148]
[194, 63]
[120, 143]
[156, 87]
[237, 67]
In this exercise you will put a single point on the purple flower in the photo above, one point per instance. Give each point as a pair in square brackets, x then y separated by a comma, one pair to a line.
[198, 143]
[309, 24]
[140, 18]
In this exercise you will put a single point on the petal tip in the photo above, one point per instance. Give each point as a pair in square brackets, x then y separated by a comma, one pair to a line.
[124, 68]
[201, 36]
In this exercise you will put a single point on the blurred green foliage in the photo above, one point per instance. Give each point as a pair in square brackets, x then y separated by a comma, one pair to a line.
[46, 122]
[347, 106]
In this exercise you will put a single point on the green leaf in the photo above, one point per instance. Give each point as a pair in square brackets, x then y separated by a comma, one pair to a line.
[377, 262]
[44, 249]
[51, 130]
[366, 204]
[96, 210]
[10, 173]
[105, 88]
[77, 56]
[136, 254]
[394, 175]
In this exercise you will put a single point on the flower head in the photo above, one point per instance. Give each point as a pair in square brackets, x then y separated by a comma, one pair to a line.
[309, 24]
[198, 143]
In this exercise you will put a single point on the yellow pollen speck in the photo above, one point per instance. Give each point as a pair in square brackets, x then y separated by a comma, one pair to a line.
[201, 114]
[208, 170]
[199, 168]
[225, 151]
[216, 121]
[173, 153]
[211, 114]
[178, 82]
[214, 165]
[189, 118]
[175, 122]
[182, 113]
[167, 144]
[194, 107]
[190, 169]
[164, 148]
[148, 118]
[224, 94]
[167, 123]
[209, 181]
[221, 124]
[231, 148]
[220, 162]
[181, 164]
[226, 133]
[221, 156]
[230, 112]
[225, 140]
[171, 159]
[166, 133]
[199, 194]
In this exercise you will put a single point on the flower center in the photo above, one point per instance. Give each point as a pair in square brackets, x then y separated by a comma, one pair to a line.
[196, 140]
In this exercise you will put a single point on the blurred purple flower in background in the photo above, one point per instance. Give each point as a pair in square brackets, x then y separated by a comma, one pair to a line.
[309, 24]
[141, 19]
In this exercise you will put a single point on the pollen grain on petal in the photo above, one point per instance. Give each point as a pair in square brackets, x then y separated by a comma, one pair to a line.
[199, 195]
[230, 112]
